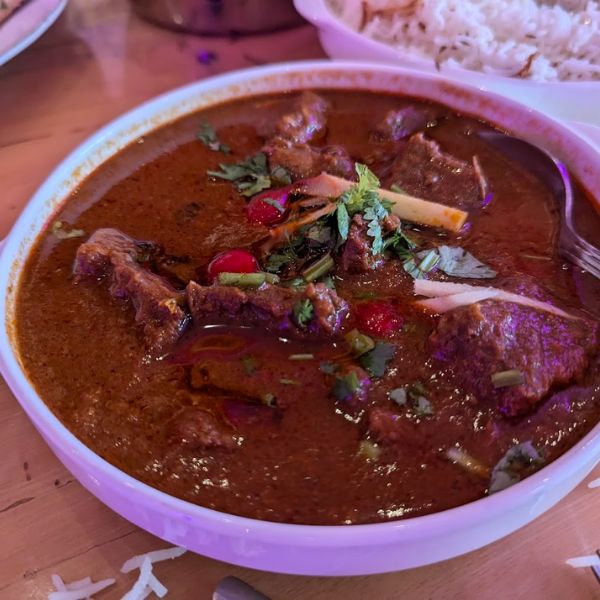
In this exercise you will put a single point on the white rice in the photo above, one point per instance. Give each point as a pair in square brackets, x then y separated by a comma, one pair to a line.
[145, 585]
[78, 590]
[155, 556]
[539, 40]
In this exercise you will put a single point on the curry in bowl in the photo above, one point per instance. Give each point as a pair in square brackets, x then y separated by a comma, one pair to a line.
[327, 307]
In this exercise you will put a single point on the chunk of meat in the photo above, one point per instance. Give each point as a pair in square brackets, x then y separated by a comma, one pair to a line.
[357, 256]
[270, 305]
[306, 122]
[490, 337]
[302, 160]
[112, 254]
[195, 429]
[423, 169]
[289, 146]
[400, 123]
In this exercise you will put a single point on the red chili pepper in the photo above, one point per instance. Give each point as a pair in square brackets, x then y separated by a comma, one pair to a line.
[232, 261]
[261, 212]
[378, 318]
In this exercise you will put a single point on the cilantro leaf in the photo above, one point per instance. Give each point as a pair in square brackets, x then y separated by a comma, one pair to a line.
[251, 175]
[375, 361]
[457, 262]
[422, 407]
[399, 243]
[343, 220]
[451, 260]
[416, 393]
[207, 135]
[276, 262]
[399, 396]
[328, 367]
[363, 198]
[345, 386]
[303, 312]
[519, 460]
[419, 264]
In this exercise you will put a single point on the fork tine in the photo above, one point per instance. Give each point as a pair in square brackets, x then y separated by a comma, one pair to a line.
[582, 261]
[596, 569]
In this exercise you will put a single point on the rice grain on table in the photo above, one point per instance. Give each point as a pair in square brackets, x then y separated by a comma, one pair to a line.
[541, 41]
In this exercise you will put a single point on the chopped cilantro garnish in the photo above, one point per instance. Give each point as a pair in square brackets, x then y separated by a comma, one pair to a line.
[417, 395]
[343, 220]
[400, 243]
[329, 282]
[396, 188]
[421, 263]
[289, 382]
[453, 261]
[251, 175]
[276, 262]
[457, 262]
[319, 233]
[303, 312]
[345, 386]
[328, 367]
[399, 396]
[374, 213]
[422, 407]
[208, 137]
[363, 198]
[375, 361]
[519, 460]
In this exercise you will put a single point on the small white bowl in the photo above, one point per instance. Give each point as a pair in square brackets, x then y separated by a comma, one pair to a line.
[570, 100]
[300, 549]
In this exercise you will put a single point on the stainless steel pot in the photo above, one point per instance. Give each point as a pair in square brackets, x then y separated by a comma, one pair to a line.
[219, 16]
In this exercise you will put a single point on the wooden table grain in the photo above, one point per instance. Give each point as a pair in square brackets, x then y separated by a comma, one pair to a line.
[96, 62]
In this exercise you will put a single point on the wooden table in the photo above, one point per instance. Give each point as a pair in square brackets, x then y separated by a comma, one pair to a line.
[96, 62]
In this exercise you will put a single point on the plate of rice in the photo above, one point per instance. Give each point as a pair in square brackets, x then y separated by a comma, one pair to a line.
[22, 22]
[542, 52]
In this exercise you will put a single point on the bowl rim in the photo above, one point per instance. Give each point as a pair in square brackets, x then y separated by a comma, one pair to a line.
[323, 17]
[425, 526]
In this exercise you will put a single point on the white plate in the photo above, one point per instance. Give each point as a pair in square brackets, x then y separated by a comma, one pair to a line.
[569, 100]
[26, 25]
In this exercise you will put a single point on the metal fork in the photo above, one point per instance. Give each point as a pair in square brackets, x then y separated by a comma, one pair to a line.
[555, 175]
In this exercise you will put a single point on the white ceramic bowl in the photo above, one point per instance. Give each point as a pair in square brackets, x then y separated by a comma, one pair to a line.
[340, 550]
[576, 100]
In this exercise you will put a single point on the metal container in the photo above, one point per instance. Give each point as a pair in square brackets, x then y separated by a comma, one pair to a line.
[217, 17]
